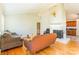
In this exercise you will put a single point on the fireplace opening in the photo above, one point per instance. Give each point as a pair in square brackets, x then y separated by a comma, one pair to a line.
[59, 33]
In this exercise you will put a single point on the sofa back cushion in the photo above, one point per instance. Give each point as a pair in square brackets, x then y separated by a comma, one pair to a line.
[5, 37]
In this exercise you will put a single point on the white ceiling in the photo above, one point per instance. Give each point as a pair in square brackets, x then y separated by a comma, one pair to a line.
[18, 8]
[72, 7]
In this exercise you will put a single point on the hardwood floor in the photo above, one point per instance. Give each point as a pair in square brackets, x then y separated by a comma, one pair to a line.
[72, 48]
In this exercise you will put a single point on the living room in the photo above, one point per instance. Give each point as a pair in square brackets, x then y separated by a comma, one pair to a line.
[23, 22]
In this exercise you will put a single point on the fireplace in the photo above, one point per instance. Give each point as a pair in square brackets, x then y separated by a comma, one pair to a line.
[59, 33]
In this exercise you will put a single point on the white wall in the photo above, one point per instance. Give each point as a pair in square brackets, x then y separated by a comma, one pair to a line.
[1, 19]
[1, 23]
[22, 24]
[45, 21]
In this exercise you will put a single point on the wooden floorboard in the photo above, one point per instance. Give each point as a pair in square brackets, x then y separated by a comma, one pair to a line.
[72, 48]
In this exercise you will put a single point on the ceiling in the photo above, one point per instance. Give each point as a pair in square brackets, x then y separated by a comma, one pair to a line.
[72, 10]
[72, 7]
[19, 8]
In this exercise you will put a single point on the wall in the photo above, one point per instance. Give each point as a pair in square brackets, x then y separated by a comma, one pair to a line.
[45, 21]
[1, 19]
[22, 24]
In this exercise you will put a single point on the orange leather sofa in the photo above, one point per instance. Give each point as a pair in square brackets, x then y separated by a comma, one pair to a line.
[40, 42]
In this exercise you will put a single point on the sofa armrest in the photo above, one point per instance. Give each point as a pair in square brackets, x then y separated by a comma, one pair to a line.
[27, 44]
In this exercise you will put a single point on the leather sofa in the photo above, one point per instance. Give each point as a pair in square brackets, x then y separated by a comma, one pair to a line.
[40, 42]
[9, 41]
